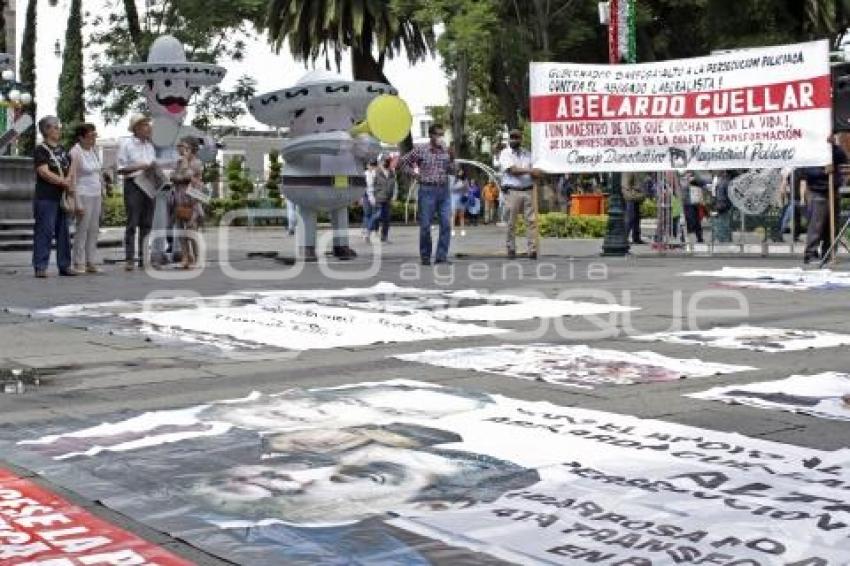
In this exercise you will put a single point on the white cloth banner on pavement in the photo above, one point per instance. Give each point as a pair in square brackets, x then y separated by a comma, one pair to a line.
[752, 338]
[818, 395]
[574, 366]
[530, 482]
[792, 279]
[332, 318]
[767, 107]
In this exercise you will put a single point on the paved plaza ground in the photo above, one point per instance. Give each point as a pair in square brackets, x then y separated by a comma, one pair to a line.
[88, 372]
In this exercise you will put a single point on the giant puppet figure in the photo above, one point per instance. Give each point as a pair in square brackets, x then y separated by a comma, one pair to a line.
[328, 147]
[168, 81]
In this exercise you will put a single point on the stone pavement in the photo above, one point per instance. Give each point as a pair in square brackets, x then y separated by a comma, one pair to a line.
[87, 372]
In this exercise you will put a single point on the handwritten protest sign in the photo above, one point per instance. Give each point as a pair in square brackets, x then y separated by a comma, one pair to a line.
[755, 108]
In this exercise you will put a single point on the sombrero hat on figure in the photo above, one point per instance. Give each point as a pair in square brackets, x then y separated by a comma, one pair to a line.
[167, 60]
[316, 88]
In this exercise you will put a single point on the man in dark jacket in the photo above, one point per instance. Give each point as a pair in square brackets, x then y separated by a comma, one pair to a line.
[817, 188]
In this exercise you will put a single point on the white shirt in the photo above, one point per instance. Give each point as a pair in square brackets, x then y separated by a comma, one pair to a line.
[134, 151]
[88, 168]
[515, 158]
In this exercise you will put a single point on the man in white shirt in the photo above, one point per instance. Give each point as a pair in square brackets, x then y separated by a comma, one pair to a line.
[137, 157]
[515, 163]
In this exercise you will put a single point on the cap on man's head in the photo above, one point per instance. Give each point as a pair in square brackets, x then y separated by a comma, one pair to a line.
[516, 134]
[137, 119]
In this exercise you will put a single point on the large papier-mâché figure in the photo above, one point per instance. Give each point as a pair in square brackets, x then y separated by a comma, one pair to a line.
[168, 82]
[325, 157]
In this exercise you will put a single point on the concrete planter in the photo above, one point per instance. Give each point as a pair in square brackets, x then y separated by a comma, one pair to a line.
[17, 185]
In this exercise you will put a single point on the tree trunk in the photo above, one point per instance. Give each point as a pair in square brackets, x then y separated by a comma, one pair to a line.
[460, 94]
[3, 26]
[541, 21]
[364, 67]
[135, 29]
[502, 92]
[26, 143]
[71, 105]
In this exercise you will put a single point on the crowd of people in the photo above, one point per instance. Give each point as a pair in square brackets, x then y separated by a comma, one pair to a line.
[71, 185]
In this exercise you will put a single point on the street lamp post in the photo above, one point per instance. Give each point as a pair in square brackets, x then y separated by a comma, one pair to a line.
[618, 15]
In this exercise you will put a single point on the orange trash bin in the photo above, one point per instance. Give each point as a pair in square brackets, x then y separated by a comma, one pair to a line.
[588, 204]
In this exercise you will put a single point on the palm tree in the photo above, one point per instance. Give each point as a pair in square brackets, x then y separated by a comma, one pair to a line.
[319, 28]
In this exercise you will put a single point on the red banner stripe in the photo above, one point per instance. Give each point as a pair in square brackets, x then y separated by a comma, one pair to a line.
[38, 526]
[806, 94]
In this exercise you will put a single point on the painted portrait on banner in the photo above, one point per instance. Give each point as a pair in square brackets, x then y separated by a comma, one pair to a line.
[572, 366]
[405, 472]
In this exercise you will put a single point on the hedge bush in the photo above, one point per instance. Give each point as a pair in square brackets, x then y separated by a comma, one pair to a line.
[562, 225]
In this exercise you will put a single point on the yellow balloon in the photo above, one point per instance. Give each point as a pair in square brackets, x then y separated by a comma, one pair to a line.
[387, 118]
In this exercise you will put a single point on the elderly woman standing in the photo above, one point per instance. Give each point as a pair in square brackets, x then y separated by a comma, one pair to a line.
[88, 181]
[188, 211]
[53, 179]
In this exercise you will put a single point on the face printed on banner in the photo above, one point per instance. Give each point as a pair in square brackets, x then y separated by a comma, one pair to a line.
[339, 476]
[320, 119]
[168, 98]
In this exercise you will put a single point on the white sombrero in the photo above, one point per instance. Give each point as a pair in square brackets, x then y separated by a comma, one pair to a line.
[314, 89]
[167, 60]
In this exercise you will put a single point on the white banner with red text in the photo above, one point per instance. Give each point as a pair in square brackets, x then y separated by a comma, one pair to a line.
[756, 108]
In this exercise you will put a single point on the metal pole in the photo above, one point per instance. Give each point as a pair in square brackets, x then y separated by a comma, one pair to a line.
[831, 217]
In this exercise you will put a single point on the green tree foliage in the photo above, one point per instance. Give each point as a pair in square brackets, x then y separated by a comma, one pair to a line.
[372, 29]
[71, 107]
[210, 32]
[238, 182]
[273, 182]
[26, 143]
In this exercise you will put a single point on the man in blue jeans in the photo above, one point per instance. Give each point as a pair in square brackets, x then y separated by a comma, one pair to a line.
[431, 165]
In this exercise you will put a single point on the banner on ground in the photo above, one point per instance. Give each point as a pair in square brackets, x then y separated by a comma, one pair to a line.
[38, 528]
[407, 472]
[749, 109]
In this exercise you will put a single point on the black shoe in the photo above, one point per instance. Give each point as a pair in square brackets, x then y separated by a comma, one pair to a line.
[639, 242]
[425, 261]
[511, 254]
[809, 259]
[68, 273]
[532, 255]
[444, 261]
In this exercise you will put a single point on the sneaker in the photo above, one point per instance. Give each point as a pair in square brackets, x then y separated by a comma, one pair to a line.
[90, 268]
[425, 261]
[79, 268]
[444, 261]
[68, 273]
[41, 274]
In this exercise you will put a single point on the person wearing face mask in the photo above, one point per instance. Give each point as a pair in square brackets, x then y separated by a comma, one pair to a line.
[431, 165]
[515, 163]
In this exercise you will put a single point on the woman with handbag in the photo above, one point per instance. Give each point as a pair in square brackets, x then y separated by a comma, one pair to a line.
[188, 211]
[88, 184]
[54, 200]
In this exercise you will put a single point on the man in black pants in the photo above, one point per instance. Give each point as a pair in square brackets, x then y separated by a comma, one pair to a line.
[136, 157]
[817, 187]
